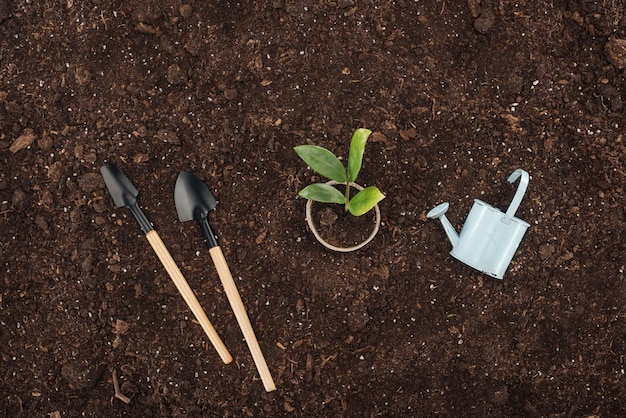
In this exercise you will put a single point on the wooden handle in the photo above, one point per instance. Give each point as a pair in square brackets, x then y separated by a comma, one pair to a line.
[187, 293]
[242, 317]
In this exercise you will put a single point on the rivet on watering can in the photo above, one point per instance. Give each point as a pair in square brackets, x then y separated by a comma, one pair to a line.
[489, 237]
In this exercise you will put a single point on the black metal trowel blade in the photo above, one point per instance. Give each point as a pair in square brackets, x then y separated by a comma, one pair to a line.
[192, 197]
[124, 193]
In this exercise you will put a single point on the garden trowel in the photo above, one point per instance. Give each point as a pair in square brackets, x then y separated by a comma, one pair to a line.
[194, 201]
[124, 193]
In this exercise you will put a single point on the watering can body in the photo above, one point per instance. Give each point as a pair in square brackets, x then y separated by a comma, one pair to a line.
[488, 240]
[489, 237]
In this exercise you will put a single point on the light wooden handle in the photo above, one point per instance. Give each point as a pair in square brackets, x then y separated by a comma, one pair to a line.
[242, 317]
[187, 293]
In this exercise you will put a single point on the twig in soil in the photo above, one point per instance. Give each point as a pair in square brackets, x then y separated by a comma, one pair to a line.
[327, 359]
[434, 114]
[358, 351]
[116, 386]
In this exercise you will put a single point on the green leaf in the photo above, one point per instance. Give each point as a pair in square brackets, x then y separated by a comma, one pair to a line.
[365, 200]
[324, 193]
[322, 162]
[357, 148]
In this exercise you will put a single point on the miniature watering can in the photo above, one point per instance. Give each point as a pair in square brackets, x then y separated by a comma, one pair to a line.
[489, 237]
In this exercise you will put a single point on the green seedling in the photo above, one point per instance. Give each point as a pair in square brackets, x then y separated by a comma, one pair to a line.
[326, 164]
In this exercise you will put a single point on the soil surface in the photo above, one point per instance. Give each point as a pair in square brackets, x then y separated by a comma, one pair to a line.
[458, 94]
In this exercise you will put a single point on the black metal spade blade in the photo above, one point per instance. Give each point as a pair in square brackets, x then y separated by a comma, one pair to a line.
[124, 193]
[194, 200]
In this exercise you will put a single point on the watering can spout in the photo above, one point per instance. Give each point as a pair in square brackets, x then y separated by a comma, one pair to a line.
[439, 212]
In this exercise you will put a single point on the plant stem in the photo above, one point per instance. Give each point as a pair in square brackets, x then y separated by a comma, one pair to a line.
[347, 197]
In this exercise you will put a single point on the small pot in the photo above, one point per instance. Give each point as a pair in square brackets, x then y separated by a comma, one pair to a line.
[311, 223]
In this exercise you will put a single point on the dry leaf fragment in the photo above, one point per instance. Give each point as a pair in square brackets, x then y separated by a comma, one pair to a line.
[512, 120]
[45, 142]
[261, 237]
[475, 8]
[120, 327]
[141, 158]
[145, 28]
[380, 137]
[549, 142]
[82, 76]
[408, 134]
[23, 141]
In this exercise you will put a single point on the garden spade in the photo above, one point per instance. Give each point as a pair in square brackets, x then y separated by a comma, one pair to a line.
[194, 201]
[124, 193]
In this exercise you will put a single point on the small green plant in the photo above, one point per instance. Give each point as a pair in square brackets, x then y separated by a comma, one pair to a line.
[326, 164]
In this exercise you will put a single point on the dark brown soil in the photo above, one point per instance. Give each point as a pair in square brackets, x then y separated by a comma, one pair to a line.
[458, 93]
[339, 228]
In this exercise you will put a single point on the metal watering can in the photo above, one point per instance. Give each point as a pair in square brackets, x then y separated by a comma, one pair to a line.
[489, 238]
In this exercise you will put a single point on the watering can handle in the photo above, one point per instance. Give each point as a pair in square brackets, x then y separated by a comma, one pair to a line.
[521, 189]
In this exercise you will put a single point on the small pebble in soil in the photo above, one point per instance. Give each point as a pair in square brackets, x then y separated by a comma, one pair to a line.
[175, 75]
[611, 97]
[358, 318]
[230, 94]
[328, 217]
[45, 142]
[90, 181]
[615, 50]
[41, 223]
[186, 11]
[20, 199]
[87, 264]
[81, 374]
[485, 21]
